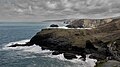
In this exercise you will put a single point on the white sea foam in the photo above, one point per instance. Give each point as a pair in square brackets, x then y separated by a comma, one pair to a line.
[37, 49]
[65, 28]
[34, 48]
[20, 42]
[88, 63]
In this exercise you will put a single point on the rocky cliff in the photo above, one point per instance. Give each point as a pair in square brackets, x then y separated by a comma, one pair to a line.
[87, 23]
[102, 41]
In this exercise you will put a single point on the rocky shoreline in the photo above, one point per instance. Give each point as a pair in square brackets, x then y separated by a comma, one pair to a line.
[101, 42]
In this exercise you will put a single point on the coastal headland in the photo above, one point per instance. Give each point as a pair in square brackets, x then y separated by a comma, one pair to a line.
[98, 37]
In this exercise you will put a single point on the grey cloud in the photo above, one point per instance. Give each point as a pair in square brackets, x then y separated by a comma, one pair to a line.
[52, 9]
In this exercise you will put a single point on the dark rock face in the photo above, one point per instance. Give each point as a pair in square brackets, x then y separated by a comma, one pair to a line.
[70, 26]
[98, 56]
[70, 56]
[54, 25]
[56, 53]
[73, 26]
[89, 45]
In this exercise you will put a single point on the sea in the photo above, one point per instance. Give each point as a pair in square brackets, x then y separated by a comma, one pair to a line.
[32, 56]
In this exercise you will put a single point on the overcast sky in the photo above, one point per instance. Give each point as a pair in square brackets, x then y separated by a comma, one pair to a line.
[38, 10]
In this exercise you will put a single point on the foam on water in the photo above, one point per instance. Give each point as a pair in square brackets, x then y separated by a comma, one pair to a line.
[88, 63]
[66, 28]
[37, 49]
[34, 48]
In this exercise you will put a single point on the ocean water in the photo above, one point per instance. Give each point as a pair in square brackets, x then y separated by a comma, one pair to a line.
[33, 56]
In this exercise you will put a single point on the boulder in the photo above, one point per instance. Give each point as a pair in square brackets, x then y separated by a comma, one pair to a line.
[70, 56]
[56, 53]
[75, 26]
[70, 26]
[54, 25]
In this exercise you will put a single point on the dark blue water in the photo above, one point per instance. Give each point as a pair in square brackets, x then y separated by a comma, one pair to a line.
[29, 56]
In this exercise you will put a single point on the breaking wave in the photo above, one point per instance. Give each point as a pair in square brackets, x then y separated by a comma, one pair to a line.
[34, 48]
[47, 53]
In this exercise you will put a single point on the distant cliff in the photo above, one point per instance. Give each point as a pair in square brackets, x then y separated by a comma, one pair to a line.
[88, 23]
